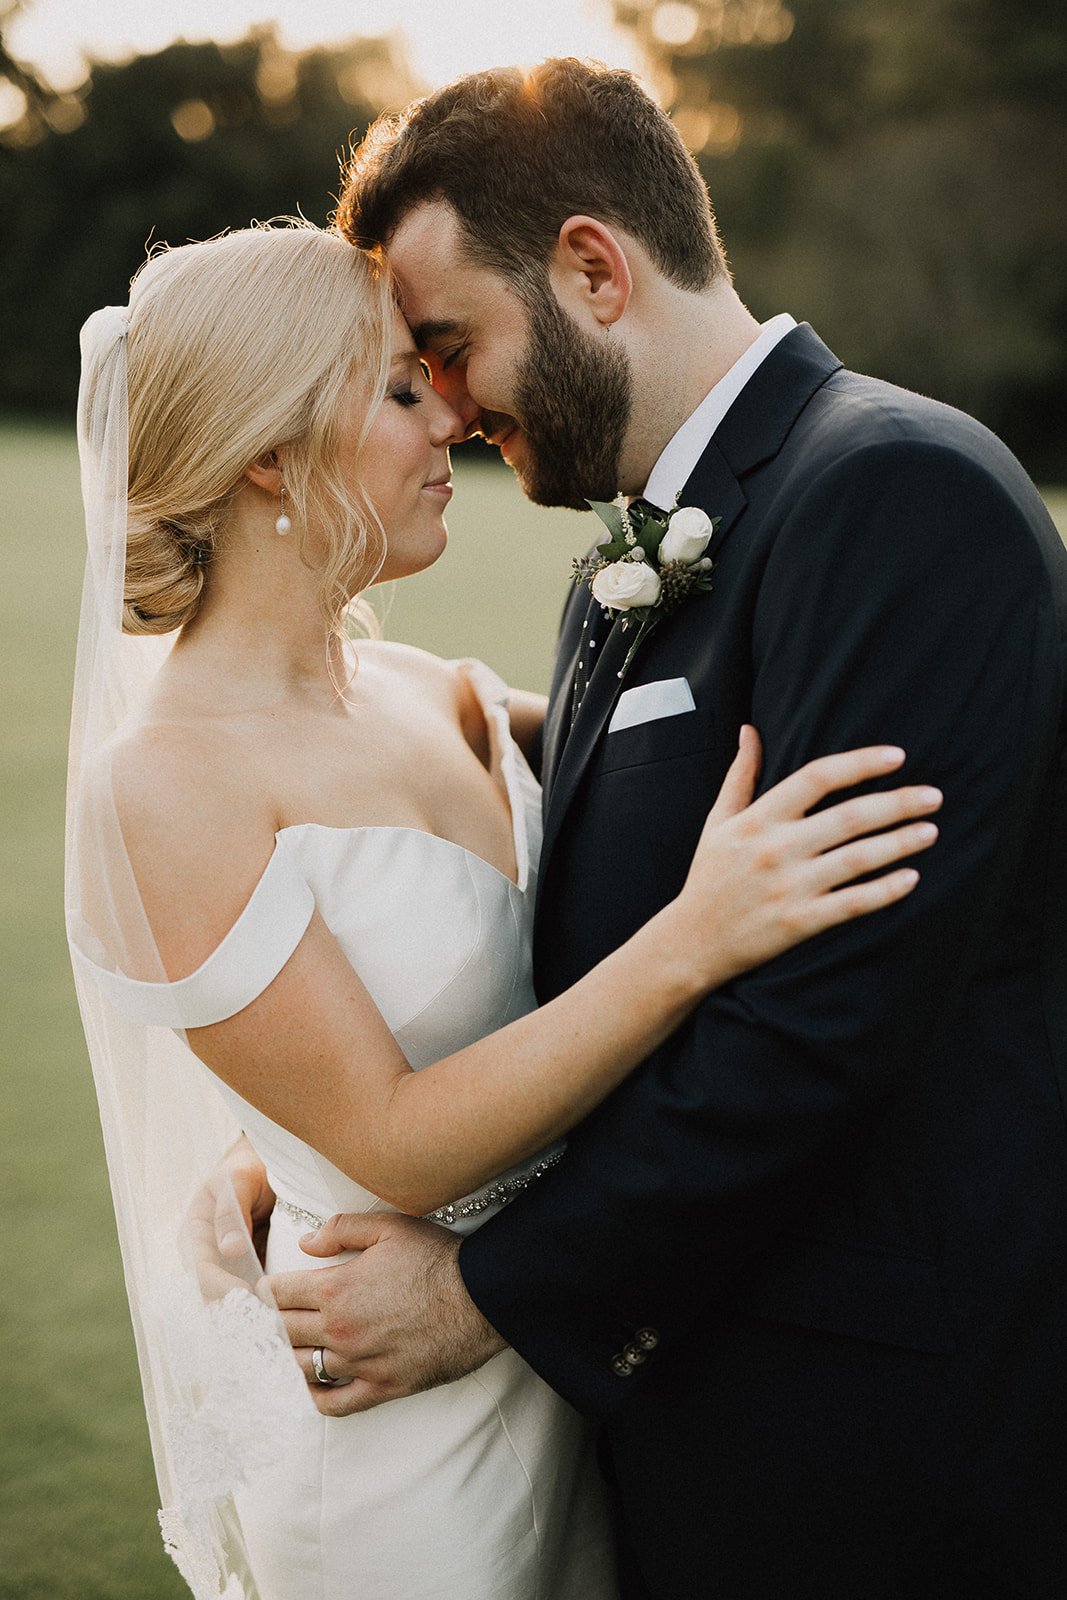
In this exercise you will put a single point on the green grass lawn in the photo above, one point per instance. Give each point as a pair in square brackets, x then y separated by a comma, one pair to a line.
[78, 1517]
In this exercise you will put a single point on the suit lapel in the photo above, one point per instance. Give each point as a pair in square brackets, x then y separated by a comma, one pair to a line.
[577, 746]
[753, 431]
[762, 417]
[714, 488]
[557, 722]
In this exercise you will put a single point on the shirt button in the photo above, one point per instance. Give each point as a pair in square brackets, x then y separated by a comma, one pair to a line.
[620, 1366]
[634, 1354]
[647, 1338]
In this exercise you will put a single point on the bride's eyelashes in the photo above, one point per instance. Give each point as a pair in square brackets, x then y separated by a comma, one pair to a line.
[405, 394]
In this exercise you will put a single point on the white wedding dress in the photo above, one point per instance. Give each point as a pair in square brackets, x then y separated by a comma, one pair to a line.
[485, 1489]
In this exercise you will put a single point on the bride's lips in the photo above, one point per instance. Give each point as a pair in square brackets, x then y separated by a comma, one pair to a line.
[442, 487]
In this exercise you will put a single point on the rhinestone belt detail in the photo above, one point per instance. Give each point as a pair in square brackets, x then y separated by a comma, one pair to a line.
[496, 1194]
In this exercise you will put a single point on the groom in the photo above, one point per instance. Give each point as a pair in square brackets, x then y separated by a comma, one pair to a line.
[809, 1265]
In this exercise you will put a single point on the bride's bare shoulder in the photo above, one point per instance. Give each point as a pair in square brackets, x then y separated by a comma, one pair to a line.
[407, 664]
[392, 655]
[195, 825]
[164, 770]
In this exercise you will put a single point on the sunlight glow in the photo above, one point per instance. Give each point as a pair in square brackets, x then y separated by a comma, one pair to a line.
[12, 104]
[442, 39]
[674, 23]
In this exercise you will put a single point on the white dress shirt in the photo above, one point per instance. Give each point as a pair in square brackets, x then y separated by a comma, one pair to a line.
[675, 466]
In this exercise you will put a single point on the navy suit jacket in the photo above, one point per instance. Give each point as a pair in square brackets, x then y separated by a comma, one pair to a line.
[808, 1264]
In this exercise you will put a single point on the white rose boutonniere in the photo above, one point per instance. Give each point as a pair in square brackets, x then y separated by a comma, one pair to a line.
[626, 585]
[688, 535]
[650, 561]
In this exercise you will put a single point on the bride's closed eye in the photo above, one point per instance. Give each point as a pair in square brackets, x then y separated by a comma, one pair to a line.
[405, 393]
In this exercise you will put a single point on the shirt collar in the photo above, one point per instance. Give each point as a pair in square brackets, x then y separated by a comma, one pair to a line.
[675, 466]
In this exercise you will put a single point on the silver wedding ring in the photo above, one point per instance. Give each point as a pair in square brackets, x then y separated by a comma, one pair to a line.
[319, 1369]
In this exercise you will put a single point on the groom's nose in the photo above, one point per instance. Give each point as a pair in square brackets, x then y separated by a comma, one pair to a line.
[452, 387]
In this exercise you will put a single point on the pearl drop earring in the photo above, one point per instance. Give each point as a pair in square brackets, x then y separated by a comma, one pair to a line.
[282, 524]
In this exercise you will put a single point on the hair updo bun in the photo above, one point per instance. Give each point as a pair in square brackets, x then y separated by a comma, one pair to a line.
[164, 576]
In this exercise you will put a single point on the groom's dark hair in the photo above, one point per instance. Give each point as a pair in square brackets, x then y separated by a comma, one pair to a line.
[515, 154]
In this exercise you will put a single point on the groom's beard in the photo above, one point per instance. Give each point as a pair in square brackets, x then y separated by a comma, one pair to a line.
[573, 403]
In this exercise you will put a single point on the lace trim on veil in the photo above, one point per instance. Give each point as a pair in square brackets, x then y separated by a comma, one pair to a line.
[237, 1426]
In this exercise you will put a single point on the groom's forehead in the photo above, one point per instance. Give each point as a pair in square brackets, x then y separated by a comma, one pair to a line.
[434, 304]
[423, 249]
[444, 293]
[440, 287]
[433, 312]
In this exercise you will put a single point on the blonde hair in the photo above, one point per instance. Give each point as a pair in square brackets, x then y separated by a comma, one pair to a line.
[236, 346]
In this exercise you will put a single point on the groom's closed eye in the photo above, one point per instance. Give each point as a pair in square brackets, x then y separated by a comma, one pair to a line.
[429, 336]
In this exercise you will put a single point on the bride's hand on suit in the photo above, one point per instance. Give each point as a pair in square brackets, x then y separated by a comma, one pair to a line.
[772, 872]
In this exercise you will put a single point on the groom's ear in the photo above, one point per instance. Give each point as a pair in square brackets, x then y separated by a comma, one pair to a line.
[590, 272]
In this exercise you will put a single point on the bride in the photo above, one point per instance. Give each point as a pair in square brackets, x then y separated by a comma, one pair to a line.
[300, 889]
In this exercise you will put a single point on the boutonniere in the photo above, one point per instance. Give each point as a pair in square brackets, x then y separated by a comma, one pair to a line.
[648, 562]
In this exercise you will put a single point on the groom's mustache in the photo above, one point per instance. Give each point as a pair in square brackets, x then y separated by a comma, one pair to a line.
[494, 426]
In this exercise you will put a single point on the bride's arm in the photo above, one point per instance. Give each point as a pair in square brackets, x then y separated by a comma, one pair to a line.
[313, 1052]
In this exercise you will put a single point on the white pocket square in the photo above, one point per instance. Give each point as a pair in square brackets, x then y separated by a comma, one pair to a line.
[648, 701]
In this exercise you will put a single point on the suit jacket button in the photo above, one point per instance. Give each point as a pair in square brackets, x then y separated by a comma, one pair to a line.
[647, 1338]
[634, 1354]
[620, 1366]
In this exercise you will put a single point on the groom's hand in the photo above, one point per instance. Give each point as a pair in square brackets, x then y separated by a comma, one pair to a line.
[392, 1321]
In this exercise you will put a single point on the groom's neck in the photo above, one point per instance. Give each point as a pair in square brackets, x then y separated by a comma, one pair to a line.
[685, 344]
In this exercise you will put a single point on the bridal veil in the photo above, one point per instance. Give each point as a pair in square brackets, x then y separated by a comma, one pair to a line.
[220, 1384]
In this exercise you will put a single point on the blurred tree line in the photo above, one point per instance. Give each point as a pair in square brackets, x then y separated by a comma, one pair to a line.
[173, 146]
[896, 172]
[893, 170]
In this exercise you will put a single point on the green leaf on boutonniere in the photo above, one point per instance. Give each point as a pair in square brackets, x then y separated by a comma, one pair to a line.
[649, 536]
[648, 524]
[611, 516]
[637, 524]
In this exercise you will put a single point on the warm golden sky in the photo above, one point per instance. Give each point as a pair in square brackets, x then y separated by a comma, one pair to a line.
[445, 37]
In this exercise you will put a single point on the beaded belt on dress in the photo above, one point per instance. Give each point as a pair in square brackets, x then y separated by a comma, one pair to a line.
[498, 1193]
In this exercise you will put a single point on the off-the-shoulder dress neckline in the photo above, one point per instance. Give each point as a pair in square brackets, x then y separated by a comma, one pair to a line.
[491, 693]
